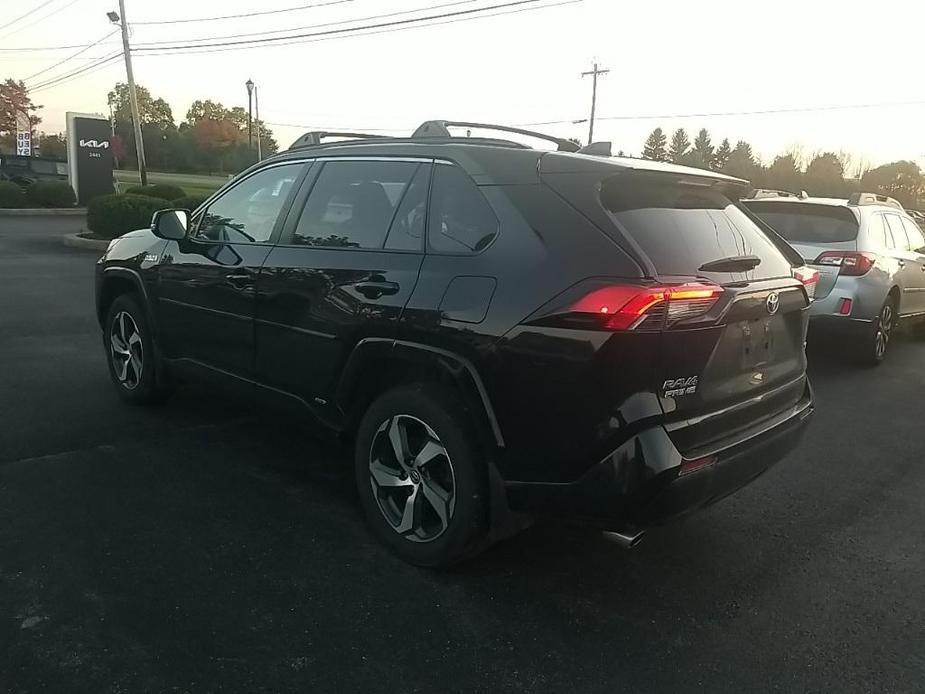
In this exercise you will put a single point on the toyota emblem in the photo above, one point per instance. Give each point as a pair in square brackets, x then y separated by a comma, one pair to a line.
[773, 302]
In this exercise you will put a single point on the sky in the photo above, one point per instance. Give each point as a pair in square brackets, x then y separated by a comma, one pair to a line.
[666, 58]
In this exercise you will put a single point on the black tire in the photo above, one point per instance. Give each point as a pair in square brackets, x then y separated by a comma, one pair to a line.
[409, 407]
[127, 317]
[875, 345]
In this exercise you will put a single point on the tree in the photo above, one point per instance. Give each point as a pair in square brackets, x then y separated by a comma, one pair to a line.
[680, 143]
[741, 161]
[899, 179]
[654, 147]
[721, 155]
[150, 110]
[15, 106]
[53, 146]
[784, 174]
[825, 176]
[216, 137]
[703, 150]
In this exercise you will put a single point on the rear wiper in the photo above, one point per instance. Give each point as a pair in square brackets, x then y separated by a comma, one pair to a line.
[734, 263]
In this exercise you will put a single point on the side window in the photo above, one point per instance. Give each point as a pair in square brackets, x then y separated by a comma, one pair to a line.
[461, 221]
[407, 230]
[878, 233]
[895, 230]
[916, 240]
[352, 203]
[247, 212]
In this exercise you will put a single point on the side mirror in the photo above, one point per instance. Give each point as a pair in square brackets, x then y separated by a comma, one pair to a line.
[170, 224]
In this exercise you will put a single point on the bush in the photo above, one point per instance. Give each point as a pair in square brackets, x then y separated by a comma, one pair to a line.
[189, 202]
[113, 215]
[50, 194]
[158, 190]
[11, 195]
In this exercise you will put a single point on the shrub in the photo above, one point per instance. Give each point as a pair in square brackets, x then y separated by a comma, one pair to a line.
[50, 194]
[189, 202]
[114, 215]
[11, 195]
[158, 190]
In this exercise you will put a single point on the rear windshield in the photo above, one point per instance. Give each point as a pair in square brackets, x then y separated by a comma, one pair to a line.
[681, 227]
[803, 223]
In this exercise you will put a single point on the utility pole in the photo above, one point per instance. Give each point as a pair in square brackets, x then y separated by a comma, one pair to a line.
[250, 102]
[594, 73]
[133, 98]
[257, 112]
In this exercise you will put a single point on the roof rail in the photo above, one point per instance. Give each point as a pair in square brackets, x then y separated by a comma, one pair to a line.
[873, 199]
[598, 149]
[438, 128]
[762, 193]
[314, 137]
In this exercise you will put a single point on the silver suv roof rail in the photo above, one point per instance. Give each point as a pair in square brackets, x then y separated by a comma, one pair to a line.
[874, 199]
[439, 129]
[763, 193]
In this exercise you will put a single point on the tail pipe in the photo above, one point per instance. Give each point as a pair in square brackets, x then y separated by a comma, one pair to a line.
[626, 539]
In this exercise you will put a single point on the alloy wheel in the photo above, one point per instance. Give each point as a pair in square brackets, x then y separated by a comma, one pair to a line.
[412, 478]
[884, 329]
[126, 350]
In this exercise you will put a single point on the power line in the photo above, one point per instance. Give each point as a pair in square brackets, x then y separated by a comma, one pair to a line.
[68, 76]
[42, 48]
[247, 14]
[39, 19]
[719, 114]
[310, 26]
[23, 16]
[361, 31]
[329, 32]
[70, 57]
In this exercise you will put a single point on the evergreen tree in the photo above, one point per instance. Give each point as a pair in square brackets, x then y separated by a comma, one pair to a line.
[654, 147]
[721, 155]
[703, 150]
[680, 143]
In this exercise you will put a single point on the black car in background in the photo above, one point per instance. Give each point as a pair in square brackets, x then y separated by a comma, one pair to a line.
[502, 332]
[24, 171]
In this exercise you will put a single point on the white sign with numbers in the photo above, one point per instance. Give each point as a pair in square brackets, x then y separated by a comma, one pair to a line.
[24, 144]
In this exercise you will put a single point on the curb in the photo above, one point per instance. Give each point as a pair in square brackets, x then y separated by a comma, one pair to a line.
[77, 241]
[45, 212]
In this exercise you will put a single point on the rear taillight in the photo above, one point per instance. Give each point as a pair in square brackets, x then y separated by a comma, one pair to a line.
[848, 263]
[627, 307]
[809, 278]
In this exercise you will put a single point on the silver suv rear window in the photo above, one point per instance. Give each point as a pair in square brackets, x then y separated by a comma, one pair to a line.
[806, 223]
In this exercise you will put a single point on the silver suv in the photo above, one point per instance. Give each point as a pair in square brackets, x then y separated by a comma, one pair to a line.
[870, 256]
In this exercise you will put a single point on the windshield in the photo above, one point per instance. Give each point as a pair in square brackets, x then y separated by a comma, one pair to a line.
[804, 223]
[682, 227]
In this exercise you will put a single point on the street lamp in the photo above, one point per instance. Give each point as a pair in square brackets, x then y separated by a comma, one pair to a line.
[250, 100]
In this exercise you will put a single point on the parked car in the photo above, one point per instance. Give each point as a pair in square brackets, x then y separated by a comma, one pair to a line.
[871, 259]
[24, 171]
[501, 332]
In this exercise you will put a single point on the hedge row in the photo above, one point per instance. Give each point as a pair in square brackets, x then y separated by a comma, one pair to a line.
[110, 216]
[164, 191]
[39, 194]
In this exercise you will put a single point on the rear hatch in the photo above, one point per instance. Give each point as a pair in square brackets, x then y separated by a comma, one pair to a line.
[729, 359]
[812, 229]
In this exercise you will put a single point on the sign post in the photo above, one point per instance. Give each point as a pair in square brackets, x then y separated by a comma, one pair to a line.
[89, 157]
[23, 135]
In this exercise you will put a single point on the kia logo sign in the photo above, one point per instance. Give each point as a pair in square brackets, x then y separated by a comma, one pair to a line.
[95, 144]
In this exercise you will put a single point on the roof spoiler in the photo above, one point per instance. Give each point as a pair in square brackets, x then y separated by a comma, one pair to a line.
[764, 193]
[598, 149]
[439, 128]
[314, 137]
[873, 199]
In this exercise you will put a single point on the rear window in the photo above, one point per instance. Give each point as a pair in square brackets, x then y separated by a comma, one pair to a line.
[681, 227]
[802, 223]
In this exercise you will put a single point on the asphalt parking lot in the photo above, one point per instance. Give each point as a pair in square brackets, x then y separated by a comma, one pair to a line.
[205, 547]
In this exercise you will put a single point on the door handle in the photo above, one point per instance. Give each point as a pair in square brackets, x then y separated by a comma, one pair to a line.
[237, 280]
[372, 289]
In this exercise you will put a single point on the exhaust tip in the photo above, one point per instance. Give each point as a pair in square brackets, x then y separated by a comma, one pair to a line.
[627, 539]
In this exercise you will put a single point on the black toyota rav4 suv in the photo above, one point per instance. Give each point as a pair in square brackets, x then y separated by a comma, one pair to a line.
[502, 332]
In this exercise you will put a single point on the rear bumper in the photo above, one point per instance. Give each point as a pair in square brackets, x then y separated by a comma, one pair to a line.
[866, 294]
[622, 490]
